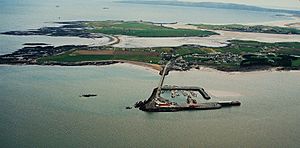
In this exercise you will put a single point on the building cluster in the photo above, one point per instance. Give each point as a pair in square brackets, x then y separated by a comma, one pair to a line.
[214, 58]
[195, 60]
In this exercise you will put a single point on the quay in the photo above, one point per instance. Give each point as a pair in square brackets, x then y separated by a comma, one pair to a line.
[156, 103]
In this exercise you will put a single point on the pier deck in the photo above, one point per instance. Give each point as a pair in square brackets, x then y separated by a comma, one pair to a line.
[156, 103]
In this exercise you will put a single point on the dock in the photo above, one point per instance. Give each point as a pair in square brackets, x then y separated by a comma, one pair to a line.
[156, 103]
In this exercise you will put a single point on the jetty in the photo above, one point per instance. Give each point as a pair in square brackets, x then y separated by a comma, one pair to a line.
[157, 103]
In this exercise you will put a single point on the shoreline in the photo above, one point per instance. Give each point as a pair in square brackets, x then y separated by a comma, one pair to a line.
[156, 67]
[280, 23]
[225, 36]
[221, 40]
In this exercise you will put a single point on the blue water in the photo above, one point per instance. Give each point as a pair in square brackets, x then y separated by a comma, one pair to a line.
[32, 14]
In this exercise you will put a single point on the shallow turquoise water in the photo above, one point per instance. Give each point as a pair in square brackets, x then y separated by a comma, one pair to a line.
[41, 107]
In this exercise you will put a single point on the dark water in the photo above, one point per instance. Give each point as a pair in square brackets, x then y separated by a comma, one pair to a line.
[41, 107]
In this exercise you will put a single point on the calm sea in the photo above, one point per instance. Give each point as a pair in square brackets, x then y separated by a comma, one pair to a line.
[41, 107]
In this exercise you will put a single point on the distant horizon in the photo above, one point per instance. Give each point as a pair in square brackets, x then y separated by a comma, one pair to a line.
[215, 4]
[277, 4]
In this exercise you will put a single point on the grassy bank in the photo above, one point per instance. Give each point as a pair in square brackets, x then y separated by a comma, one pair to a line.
[247, 28]
[242, 47]
[74, 56]
[141, 29]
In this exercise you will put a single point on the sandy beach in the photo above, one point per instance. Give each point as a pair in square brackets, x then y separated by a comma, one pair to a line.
[142, 42]
[284, 23]
[211, 41]
[155, 67]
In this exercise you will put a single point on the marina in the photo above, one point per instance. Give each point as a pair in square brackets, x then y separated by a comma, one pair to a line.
[157, 103]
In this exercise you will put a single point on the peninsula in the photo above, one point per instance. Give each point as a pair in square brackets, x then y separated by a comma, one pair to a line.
[231, 55]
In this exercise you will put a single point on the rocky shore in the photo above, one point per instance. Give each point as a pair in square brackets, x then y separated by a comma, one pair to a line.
[29, 55]
[67, 29]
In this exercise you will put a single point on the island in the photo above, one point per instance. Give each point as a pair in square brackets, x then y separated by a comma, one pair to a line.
[98, 29]
[235, 55]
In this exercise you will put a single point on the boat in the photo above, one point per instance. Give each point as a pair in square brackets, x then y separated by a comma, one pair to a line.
[89, 95]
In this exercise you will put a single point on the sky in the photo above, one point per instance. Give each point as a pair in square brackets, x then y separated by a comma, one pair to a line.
[289, 4]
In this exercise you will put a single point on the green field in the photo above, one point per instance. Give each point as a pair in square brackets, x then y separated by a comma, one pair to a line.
[222, 58]
[185, 50]
[76, 58]
[247, 28]
[296, 63]
[69, 57]
[141, 29]
[240, 47]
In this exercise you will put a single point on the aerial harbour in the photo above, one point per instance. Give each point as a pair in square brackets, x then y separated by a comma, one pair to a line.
[156, 103]
[102, 73]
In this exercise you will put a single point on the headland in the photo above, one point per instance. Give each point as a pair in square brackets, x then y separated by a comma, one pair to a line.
[227, 47]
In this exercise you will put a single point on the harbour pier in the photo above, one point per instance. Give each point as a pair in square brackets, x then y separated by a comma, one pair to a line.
[157, 103]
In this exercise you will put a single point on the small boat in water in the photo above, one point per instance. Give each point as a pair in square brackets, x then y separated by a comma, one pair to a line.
[88, 95]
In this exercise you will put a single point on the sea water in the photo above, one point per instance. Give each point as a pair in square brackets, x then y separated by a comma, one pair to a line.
[42, 107]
